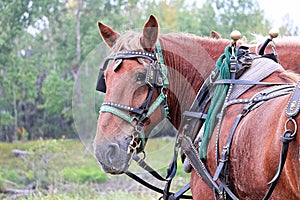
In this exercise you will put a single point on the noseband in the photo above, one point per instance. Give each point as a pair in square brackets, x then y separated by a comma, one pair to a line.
[156, 79]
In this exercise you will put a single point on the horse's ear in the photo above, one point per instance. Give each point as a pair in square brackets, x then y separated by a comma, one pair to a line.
[108, 34]
[150, 34]
[244, 39]
[215, 35]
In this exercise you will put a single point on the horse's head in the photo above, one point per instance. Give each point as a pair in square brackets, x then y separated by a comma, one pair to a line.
[134, 82]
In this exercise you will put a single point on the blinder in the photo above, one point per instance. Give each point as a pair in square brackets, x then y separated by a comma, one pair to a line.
[101, 85]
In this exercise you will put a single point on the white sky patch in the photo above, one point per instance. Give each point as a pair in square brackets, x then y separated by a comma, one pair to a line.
[276, 11]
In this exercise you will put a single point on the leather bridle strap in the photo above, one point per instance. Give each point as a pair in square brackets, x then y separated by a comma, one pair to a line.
[292, 110]
[156, 79]
[285, 139]
[140, 162]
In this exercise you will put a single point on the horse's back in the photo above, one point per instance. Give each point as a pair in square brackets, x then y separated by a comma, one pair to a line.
[255, 150]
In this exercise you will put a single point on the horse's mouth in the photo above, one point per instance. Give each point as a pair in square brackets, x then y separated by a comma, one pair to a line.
[115, 156]
[115, 170]
[114, 159]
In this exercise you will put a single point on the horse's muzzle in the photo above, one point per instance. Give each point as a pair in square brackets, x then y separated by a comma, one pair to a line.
[113, 157]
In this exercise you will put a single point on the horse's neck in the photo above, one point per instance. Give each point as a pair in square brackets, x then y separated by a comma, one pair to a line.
[190, 60]
[288, 49]
[289, 55]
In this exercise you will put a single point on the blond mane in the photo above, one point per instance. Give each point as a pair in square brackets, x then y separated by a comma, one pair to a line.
[130, 40]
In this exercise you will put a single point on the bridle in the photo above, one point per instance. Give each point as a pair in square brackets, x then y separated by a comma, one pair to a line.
[156, 80]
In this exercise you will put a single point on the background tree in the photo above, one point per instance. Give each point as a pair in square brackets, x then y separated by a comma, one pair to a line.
[43, 43]
[288, 29]
[242, 15]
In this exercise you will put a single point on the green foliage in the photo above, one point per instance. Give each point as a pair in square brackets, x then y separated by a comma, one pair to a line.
[57, 92]
[62, 169]
[6, 118]
[11, 175]
[41, 49]
[84, 174]
[51, 163]
[245, 16]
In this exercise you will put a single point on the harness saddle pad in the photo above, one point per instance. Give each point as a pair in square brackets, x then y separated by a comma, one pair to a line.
[260, 69]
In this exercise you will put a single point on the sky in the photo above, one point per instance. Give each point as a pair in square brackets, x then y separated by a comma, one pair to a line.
[276, 10]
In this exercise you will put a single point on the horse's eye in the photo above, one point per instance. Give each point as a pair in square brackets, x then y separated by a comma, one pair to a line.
[140, 77]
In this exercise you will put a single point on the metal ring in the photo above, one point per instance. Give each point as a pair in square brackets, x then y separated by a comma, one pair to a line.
[295, 126]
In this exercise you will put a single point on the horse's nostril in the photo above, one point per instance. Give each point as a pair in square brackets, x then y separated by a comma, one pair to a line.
[112, 153]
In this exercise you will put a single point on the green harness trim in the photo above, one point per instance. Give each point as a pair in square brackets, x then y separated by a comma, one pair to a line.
[117, 112]
[159, 100]
[164, 71]
[223, 65]
[160, 59]
[123, 115]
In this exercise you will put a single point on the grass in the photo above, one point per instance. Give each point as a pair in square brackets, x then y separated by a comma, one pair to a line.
[64, 169]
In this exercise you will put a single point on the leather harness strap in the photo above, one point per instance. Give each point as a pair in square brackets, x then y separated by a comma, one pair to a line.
[292, 110]
[177, 195]
[222, 172]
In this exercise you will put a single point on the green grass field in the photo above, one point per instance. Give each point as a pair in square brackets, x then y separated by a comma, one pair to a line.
[65, 169]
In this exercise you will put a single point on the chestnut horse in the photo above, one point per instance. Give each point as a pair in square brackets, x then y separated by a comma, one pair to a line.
[124, 122]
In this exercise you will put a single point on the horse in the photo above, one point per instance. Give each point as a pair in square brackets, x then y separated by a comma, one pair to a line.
[140, 93]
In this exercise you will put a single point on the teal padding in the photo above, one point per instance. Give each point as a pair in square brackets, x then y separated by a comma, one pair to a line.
[161, 97]
[162, 64]
[117, 112]
[124, 116]
[143, 139]
[223, 65]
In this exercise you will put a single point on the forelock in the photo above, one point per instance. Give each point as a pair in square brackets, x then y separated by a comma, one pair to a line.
[128, 41]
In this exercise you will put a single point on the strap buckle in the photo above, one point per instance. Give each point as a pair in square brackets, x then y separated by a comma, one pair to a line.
[233, 64]
[295, 126]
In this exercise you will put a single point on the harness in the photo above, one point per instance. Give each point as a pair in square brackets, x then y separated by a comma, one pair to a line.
[219, 182]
